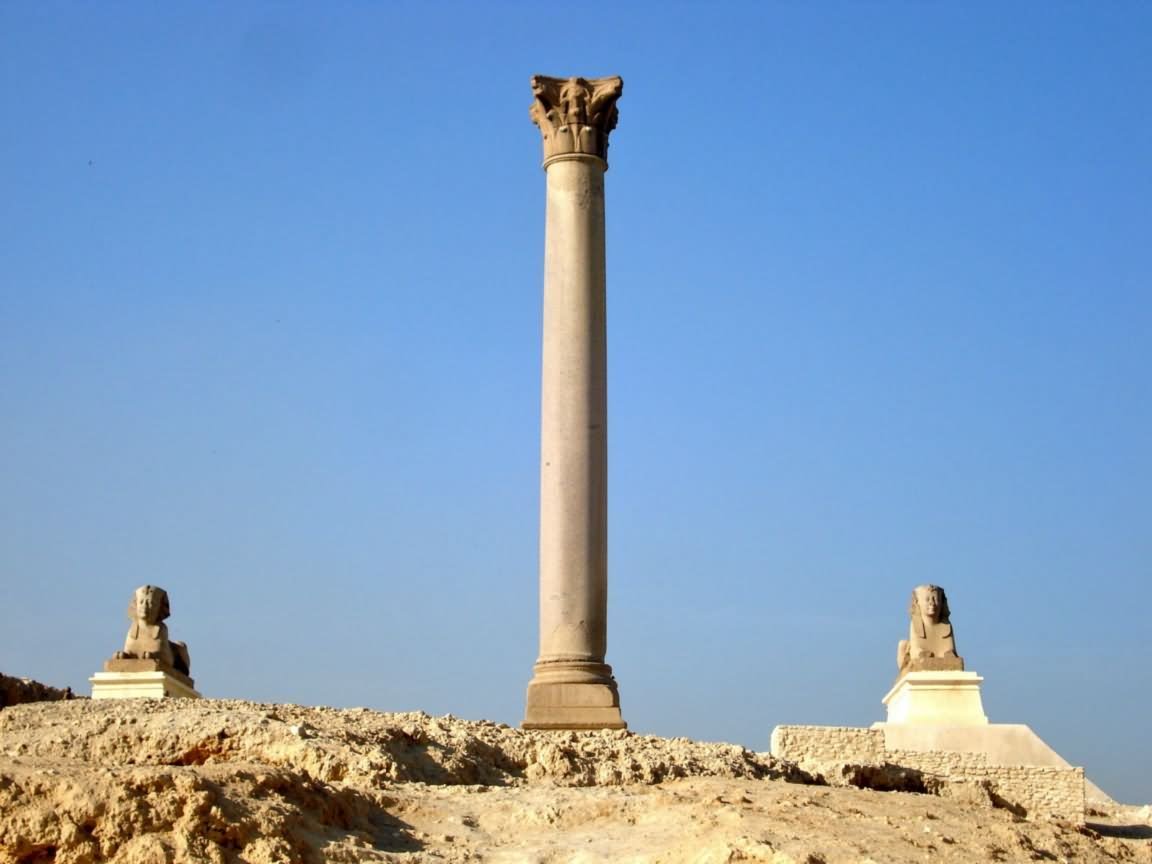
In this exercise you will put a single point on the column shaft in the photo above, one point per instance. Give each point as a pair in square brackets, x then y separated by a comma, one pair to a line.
[573, 429]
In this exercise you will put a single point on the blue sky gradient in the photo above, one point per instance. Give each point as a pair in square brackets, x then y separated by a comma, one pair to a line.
[879, 314]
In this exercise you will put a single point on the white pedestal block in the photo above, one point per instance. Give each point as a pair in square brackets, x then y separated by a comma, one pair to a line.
[936, 698]
[139, 685]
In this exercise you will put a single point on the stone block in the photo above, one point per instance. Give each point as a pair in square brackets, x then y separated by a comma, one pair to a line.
[572, 705]
[948, 698]
[140, 679]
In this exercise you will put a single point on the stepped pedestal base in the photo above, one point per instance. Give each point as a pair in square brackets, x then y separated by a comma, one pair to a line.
[568, 704]
[141, 679]
[936, 698]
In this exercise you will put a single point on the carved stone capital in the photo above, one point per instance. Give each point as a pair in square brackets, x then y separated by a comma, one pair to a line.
[575, 115]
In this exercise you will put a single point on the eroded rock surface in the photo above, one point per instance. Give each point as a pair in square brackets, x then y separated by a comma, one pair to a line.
[141, 781]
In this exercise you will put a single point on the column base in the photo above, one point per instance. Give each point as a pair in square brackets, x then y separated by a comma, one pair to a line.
[576, 696]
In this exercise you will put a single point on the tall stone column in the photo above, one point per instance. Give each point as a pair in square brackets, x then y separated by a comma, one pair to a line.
[572, 687]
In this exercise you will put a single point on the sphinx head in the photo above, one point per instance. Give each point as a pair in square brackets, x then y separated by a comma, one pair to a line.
[149, 605]
[929, 603]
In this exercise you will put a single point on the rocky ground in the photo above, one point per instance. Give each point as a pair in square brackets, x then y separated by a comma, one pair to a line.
[142, 781]
[15, 691]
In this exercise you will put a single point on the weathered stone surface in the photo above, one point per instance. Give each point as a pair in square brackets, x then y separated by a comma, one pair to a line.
[214, 781]
[575, 115]
[151, 666]
[147, 637]
[931, 644]
[875, 758]
[935, 664]
[999, 743]
[125, 664]
[572, 686]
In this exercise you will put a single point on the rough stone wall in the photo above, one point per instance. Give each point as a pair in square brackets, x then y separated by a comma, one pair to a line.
[828, 744]
[15, 691]
[1039, 791]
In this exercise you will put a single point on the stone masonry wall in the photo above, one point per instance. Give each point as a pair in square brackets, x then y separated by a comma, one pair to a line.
[1040, 791]
[828, 744]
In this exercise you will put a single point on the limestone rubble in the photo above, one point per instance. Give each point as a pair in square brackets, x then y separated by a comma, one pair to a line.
[142, 781]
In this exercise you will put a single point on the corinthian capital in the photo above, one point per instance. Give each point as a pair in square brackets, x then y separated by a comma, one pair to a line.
[575, 115]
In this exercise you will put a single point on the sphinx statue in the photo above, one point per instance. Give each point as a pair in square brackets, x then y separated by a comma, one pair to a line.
[931, 644]
[147, 637]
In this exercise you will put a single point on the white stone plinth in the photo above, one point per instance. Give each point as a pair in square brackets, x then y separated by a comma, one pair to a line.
[139, 685]
[936, 698]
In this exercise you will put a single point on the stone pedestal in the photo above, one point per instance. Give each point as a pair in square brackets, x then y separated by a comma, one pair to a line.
[572, 687]
[949, 698]
[141, 679]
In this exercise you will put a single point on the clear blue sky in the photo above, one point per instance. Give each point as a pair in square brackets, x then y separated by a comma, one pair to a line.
[879, 314]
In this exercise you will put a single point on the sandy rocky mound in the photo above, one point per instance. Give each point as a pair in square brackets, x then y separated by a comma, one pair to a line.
[141, 781]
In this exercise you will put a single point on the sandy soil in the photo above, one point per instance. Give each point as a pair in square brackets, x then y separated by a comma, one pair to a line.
[141, 781]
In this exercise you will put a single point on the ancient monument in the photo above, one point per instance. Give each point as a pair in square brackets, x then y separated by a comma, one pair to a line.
[572, 687]
[932, 686]
[151, 664]
[936, 726]
[931, 645]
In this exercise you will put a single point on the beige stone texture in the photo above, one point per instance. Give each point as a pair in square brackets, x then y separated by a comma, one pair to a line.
[1051, 789]
[572, 687]
[948, 698]
[151, 666]
[575, 115]
[124, 664]
[147, 637]
[189, 782]
[931, 644]
[1002, 744]
[145, 684]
